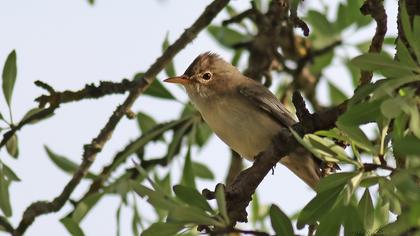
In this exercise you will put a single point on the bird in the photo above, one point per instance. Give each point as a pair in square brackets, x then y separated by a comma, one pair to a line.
[242, 112]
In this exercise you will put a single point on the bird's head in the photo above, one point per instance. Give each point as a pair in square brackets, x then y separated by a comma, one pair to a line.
[207, 76]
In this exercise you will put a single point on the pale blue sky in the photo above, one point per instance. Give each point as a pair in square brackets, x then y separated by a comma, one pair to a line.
[68, 44]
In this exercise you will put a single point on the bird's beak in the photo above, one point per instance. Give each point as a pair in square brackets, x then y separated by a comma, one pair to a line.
[178, 80]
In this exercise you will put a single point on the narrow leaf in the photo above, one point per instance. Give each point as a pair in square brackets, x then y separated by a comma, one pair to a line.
[202, 171]
[366, 210]
[65, 164]
[12, 146]
[71, 226]
[163, 229]
[9, 76]
[169, 69]
[221, 201]
[145, 122]
[280, 222]
[156, 89]
[4, 194]
[316, 207]
[188, 176]
[191, 197]
[225, 36]
[334, 180]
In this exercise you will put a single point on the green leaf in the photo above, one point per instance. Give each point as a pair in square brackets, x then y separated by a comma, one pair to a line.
[118, 219]
[193, 215]
[175, 146]
[236, 57]
[361, 113]
[163, 229]
[328, 149]
[334, 180]
[321, 62]
[352, 223]
[280, 222]
[357, 136]
[383, 63]
[135, 220]
[330, 223]
[370, 181]
[71, 226]
[336, 95]
[203, 133]
[12, 146]
[169, 69]
[164, 183]
[344, 19]
[412, 39]
[391, 108]
[9, 76]
[65, 164]
[320, 23]
[225, 36]
[157, 199]
[188, 176]
[85, 206]
[355, 15]
[192, 197]
[8, 172]
[408, 145]
[388, 87]
[414, 119]
[366, 210]
[32, 112]
[221, 201]
[255, 209]
[4, 194]
[202, 171]
[145, 122]
[316, 207]
[404, 55]
[156, 89]
[381, 213]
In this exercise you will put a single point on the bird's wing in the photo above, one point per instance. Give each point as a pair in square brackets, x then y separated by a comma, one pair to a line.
[267, 102]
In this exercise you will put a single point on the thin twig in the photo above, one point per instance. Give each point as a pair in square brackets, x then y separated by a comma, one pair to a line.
[43, 207]
[6, 225]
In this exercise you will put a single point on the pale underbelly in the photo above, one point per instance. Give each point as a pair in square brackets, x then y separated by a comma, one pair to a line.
[247, 134]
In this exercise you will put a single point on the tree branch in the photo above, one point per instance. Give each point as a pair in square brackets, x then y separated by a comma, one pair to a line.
[43, 207]
[374, 8]
[89, 91]
[6, 225]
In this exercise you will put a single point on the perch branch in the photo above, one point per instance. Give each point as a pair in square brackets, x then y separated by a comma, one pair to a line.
[238, 194]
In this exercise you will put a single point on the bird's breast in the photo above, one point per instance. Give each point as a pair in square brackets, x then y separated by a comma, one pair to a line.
[239, 124]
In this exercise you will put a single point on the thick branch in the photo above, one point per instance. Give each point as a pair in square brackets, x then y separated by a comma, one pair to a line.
[39, 208]
[375, 8]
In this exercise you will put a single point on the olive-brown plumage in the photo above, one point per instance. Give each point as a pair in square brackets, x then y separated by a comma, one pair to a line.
[242, 112]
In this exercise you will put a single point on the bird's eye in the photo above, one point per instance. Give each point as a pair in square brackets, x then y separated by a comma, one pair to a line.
[207, 76]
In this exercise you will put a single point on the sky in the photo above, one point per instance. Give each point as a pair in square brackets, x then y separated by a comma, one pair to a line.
[68, 44]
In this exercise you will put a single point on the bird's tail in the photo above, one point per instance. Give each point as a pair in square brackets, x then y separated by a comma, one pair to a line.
[303, 164]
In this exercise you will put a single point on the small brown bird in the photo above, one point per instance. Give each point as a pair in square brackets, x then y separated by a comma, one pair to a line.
[242, 112]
